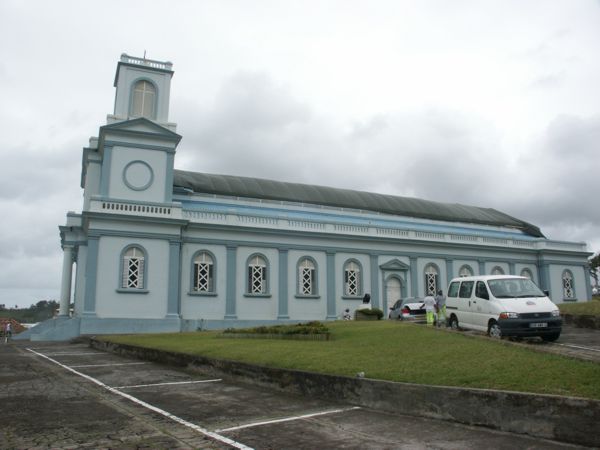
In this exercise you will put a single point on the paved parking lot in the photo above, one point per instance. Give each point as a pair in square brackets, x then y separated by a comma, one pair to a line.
[581, 343]
[59, 395]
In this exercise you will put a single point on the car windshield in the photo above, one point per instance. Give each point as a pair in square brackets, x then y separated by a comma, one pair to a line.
[514, 288]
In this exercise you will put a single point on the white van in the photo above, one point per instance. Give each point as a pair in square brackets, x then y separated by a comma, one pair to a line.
[502, 305]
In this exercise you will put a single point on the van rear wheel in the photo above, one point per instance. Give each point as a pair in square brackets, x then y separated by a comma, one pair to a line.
[454, 322]
[494, 330]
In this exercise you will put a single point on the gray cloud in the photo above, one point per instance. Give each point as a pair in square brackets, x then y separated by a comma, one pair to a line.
[257, 128]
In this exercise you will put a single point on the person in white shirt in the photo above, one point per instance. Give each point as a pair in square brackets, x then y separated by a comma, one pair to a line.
[429, 305]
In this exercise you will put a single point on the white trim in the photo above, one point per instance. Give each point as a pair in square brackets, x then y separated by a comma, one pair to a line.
[169, 383]
[112, 364]
[287, 419]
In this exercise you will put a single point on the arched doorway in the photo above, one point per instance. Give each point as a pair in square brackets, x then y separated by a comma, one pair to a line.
[393, 289]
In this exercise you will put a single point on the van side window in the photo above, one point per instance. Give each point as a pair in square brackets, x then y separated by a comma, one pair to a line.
[466, 287]
[481, 291]
[453, 289]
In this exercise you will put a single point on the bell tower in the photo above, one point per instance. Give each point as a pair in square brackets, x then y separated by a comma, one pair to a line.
[132, 159]
[143, 88]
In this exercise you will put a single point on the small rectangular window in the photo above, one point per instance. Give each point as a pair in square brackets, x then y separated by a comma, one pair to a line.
[453, 289]
[466, 287]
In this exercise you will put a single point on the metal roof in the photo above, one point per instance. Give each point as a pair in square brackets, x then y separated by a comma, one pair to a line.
[257, 188]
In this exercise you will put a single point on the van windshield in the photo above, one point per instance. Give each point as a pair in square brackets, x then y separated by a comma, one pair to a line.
[514, 288]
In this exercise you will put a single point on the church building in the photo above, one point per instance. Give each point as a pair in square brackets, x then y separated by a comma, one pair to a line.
[156, 249]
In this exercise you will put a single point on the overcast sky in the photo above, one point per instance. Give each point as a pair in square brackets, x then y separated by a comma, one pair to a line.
[487, 103]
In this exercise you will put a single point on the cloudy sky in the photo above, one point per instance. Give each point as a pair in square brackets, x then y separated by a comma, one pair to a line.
[481, 102]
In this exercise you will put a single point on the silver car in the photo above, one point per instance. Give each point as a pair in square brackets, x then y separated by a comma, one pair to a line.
[410, 308]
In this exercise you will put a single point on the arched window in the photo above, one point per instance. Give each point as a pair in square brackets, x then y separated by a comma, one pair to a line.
[307, 277]
[527, 273]
[465, 271]
[352, 279]
[204, 273]
[497, 271]
[143, 100]
[431, 279]
[257, 275]
[133, 268]
[568, 285]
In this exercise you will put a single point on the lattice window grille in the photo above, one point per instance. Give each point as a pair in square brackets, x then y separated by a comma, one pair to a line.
[431, 283]
[257, 279]
[133, 276]
[306, 280]
[203, 278]
[568, 286]
[352, 282]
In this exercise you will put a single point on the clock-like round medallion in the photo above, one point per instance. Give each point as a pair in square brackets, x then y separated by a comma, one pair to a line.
[138, 175]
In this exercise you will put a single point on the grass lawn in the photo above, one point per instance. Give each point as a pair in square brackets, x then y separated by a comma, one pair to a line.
[587, 308]
[396, 351]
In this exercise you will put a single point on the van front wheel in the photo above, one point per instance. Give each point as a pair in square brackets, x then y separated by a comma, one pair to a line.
[494, 330]
[550, 337]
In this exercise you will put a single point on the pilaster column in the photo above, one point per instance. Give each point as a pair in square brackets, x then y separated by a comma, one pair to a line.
[544, 274]
[481, 267]
[91, 272]
[65, 286]
[173, 301]
[414, 279]
[331, 300]
[375, 282]
[512, 268]
[449, 271]
[231, 291]
[283, 284]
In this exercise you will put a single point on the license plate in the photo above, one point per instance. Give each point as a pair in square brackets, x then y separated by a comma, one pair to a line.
[538, 325]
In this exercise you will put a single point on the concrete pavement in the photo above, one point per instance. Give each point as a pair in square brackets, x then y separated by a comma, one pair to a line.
[60, 395]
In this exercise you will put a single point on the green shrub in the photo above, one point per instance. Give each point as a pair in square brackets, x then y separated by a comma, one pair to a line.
[368, 312]
[314, 327]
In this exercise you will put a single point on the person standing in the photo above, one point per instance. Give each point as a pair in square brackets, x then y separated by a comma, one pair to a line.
[429, 305]
[440, 303]
[7, 332]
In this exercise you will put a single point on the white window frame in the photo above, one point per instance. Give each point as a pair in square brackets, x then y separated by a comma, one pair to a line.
[525, 272]
[568, 283]
[497, 270]
[147, 93]
[432, 279]
[133, 269]
[257, 276]
[465, 271]
[307, 277]
[352, 279]
[203, 273]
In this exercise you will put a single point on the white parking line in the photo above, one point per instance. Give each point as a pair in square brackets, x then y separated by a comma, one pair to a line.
[165, 384]
[162, 412]
[287, 419]
[73, 354]
[110, 364]
[579, 347]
